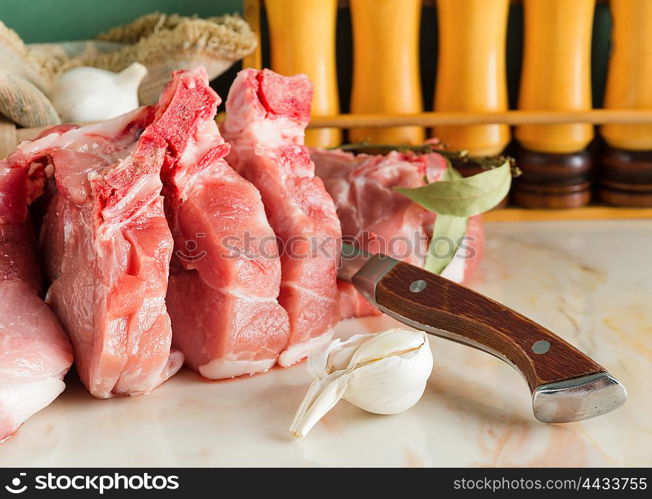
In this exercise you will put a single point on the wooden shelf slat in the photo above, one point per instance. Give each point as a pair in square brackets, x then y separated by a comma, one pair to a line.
[515, 117]
[428, 119]
[595, 212]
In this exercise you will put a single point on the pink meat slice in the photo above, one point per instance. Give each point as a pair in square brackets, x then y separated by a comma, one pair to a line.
[35, 353]
[266, 117]
[107, 248]
[222, 294]
[381, 220]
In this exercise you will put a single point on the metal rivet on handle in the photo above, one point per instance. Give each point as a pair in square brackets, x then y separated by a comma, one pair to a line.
[418, 286]
[541, 347]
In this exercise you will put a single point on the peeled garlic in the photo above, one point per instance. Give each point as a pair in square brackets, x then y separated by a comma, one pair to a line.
[383, 373]
[89, 94]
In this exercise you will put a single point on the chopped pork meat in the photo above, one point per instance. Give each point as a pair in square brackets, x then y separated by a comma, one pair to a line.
[35, 353]
[107, 248]
[266, 118]
[223, 291]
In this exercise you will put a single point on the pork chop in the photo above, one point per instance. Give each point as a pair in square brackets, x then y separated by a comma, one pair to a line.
[107, 248]
[226, 272]
[266, 118]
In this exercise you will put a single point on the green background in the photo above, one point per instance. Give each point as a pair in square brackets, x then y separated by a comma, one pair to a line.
[58, 20]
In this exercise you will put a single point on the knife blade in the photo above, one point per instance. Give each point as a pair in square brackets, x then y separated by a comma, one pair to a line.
[566, 385]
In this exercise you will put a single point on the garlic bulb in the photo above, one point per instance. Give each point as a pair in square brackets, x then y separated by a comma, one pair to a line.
[89, 94]
[383, 373]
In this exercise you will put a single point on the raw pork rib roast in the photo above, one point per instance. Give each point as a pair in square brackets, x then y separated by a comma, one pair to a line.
[107, 247]
[381, 220]
[223, 291]
[35, 353]
[266, 117]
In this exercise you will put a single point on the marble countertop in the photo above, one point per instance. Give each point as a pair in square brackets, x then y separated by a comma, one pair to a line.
[591, 282]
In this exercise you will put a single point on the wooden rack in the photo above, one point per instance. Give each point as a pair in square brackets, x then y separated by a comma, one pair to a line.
[253, 12]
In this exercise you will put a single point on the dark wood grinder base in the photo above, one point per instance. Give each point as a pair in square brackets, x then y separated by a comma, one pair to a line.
[626, 177]
[553, 181]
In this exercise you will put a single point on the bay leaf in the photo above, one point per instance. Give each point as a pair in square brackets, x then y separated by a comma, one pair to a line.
[448, 235]
[463, 196]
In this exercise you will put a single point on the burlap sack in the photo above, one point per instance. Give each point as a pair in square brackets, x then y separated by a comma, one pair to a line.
[165, 43]
[24, 79]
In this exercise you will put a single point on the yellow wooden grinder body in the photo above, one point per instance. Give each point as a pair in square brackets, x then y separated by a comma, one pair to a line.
[302, 39]
[629, 80]
[556, 72]
[471, 72]
[386, 66]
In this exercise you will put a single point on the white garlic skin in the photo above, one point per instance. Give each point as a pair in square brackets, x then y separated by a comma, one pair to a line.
[382, 373]
[87, 94]
[394, 388]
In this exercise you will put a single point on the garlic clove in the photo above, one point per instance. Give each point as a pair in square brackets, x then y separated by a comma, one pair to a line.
[318, 361]
[392, 385]
[383, 373]
[322, 396]
[85, 94]
[388, 343]
[341, 356]
[336, 355]
[131, 76]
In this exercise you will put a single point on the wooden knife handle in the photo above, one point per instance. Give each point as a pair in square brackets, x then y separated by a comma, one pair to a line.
[444, 308]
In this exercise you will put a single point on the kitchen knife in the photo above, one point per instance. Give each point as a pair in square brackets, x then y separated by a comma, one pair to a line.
[566, 385]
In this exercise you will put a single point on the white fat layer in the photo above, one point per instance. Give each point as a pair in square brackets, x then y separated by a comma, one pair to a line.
[245, 295]
[272, 132]
[223, 369]
[294, 353]
[22, 400]
[307, 291]
[205, 138]
[108, 129]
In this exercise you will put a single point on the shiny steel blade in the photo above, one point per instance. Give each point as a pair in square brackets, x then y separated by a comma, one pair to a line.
[364, 270]
[352, 260]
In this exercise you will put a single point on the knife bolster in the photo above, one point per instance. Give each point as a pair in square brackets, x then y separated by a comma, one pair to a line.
[578, 398]
[368, 277]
